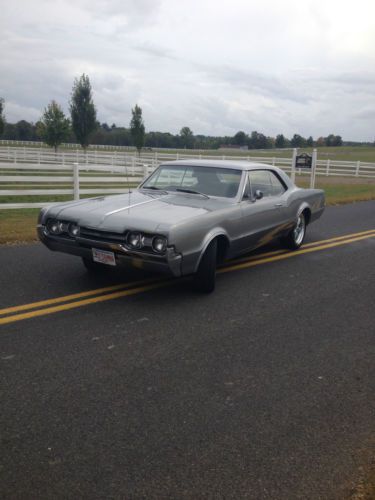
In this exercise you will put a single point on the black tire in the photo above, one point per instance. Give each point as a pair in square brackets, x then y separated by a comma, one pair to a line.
[93, 267]
[295, 237]
[205, 277]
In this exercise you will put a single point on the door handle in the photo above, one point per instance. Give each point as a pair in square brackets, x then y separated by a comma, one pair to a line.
[279, 204]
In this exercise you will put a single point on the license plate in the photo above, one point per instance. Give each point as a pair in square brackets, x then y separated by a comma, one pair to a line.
[104, 257]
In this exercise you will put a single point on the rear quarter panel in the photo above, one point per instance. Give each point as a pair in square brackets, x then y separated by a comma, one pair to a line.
[298, 199]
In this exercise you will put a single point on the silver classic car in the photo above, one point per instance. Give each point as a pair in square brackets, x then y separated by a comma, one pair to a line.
[185, 218]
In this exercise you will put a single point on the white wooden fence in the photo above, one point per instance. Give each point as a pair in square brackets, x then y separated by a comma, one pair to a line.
[30, 172]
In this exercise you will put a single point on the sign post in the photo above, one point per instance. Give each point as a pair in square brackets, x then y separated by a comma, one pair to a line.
[294, 158]
[313, 169]
[305, 160]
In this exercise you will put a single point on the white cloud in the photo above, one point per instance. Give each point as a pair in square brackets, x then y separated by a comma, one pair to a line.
[292, 67]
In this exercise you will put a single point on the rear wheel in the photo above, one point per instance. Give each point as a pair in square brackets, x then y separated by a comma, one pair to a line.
[205, 277]
[296, 236]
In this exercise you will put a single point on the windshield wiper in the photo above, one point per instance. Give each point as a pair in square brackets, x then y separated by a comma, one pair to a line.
[156, 188]
[191, 191]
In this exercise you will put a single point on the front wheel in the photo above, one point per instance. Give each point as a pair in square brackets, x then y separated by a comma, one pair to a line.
[205, 277]
[296, 236]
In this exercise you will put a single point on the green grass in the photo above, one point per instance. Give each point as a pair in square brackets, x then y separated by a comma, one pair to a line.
[337, 194]
[18, 225]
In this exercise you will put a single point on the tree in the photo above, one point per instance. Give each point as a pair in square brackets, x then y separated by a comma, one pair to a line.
[24, 131]
[2, 120]
[298, 141]
[333, 140]
[82, 111]
[240, 138]
[258, 141]
[187, 137]
[54, 127]
[137, 128]
[280, 141]
[310, 142]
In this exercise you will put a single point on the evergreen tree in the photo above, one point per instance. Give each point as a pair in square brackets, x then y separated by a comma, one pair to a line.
[54, 127]
[82, 110]
[137, 128]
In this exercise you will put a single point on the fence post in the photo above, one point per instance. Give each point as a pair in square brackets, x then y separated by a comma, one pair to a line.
[76, 181]
[357, 169]
[145, 170]
[313, 169]
[15, 155]
[293, 173]
[273, 161]
[327, 167]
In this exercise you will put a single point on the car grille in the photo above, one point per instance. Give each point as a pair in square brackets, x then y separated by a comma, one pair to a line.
[105, 236]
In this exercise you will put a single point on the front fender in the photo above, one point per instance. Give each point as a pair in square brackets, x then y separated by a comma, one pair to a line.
[210, 236]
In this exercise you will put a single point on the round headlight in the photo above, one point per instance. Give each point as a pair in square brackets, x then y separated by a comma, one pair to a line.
[135, 240]
[73, 230]
[54, 226]
[159, 244]
[63, 227]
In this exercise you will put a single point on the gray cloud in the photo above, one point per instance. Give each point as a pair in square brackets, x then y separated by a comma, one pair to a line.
[267, 66]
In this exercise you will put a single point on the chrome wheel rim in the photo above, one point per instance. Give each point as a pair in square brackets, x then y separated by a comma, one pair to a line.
[299, 230]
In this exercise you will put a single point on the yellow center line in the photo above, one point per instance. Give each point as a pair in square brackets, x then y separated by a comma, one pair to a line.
[154, 284]
[81, 303]
[305, 245]
[293, 254]
[67, 298]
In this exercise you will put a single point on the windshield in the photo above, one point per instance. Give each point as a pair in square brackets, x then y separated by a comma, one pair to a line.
[211, 181]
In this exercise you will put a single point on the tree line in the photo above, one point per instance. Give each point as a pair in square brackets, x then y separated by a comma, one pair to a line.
[54, 128]
[82, 127]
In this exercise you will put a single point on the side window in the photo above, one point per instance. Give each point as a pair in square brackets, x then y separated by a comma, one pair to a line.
[278, 187]
[261, 179]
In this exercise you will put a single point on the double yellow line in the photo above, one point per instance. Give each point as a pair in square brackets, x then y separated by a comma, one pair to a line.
[67, 302]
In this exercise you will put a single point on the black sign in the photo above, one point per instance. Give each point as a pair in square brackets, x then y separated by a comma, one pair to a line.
[303, 161]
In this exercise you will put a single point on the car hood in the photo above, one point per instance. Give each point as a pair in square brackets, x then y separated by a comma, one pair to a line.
[137, 210]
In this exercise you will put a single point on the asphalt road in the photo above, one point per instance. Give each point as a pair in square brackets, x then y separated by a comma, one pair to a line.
[263, 390]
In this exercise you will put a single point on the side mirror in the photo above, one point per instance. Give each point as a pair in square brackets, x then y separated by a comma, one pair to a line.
[258, 194]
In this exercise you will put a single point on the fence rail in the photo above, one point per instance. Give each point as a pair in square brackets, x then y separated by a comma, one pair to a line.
[29, 172]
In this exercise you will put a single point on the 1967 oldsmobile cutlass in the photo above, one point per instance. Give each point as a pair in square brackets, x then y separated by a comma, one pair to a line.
[185, 218]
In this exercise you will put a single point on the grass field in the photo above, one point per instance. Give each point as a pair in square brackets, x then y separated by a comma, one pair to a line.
[19, 225]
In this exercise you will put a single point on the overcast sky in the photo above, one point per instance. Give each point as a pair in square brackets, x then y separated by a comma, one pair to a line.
[275, 66]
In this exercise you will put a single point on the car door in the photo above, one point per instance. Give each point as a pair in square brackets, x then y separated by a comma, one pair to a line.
[262, 218]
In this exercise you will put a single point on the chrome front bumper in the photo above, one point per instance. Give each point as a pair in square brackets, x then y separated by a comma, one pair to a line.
[169, 263]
